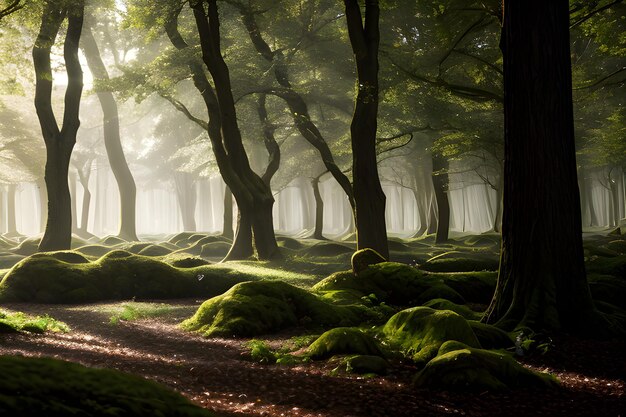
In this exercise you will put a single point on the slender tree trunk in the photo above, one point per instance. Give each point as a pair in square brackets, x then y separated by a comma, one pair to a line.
[497, 224]
[440, 184]
[59, 141]
[11, 221]
[42, 198]
[84, 214]
[542, 282]
[269, 140]
[72, 181]
[368, 193]
[227, 229]
[318, 232]
[112, 141]
[422, 212]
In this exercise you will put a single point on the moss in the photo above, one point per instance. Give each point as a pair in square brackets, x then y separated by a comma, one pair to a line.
[137, 247]
[154, 250]
[93, 250]
[289, 243]
[328, 249]
[461, 367]
[367, 364]
[618, 246]
[179, 261]
[179, 238]
[462, 262]
[462, 310]
[17, 322]
[363, 258]
[50, 387]
[391, 282]
[253, 308]
[215, 249]
[483, 240]
[420, 331]
[70, 257]
[474, 287]
[615, 266]
[491, 337]
[117, 275]
[344, 341]
[608, 288]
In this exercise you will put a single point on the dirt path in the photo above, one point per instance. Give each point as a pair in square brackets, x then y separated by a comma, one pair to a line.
[215, 374]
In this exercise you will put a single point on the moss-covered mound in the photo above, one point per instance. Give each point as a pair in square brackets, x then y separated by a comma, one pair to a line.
[460, 309]
[458, 366]
[462, 262]
[27, 247]
[391, 282]
[366, 364]
[118, 275]
[49, 387]
[344, 341]
[608, 288]
[154, 250]
[289, 243]
[474, 287]
[615, 266]
[363, 258]
[67, 256]
[329, 249]
[491, 337]
[183, 261]
[420, 331]
[94, 250]
[7, 260]
[253, 308]
[215, 249]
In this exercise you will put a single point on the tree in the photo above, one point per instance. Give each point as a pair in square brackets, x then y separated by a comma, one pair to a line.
[541, 282]
[59, 141]
[112, 141]
[368, 193]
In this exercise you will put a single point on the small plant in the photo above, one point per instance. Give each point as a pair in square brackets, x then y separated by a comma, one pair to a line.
[136, 311]
[20, 322]
[260, 351]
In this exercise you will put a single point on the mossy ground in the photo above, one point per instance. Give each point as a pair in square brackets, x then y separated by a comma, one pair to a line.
[31, 387]
[13, 322]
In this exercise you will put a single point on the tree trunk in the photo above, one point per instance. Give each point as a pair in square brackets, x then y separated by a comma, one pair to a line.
[72, 181]
[421, 204]
[254, 197]
[318, 232]
[542, 282]
[368, 193]
[42, 195]
[440, 184]
[242, 242]
[269, 140]
[227, 229]
[497, 224]
[59, 141]
[84, 214]
[112, 141]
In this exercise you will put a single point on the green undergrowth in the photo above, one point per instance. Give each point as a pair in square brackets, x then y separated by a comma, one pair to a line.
[50, 387]
[13, 322]
[135, 311]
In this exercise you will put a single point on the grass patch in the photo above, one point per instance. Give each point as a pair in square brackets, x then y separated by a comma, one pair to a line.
[12, 322]
[137, 311]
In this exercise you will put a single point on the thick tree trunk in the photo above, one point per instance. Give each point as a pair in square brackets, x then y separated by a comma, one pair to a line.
[59, 141]
[368, 193]
[112, 141]
[440, 184]
[227, 229]
[542, 282]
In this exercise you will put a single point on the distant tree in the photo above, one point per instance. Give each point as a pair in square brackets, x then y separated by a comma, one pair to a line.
[542, 282]
[59, 141]
[368, 193]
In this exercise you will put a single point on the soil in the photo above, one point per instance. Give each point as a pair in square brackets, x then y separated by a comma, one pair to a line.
[217, 373]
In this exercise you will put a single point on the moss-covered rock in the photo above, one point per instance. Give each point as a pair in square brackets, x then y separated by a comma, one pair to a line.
[366, 364]
[93, 250]
[112, 241]
[344, 341]
[461, 367]
[117, 275]
[363, 258]
[328, 249]
[289, 243]
[215, 249]
[182, 261]
[618, 246]
[420, 331]
[393, 283]
[462, 262]
[49, 387]
[253, 308]
[474, 287]
[462, 310]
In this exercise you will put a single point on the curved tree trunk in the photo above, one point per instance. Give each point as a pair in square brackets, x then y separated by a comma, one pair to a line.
[84, 214]
[368, 193]
[318, 232]
[59, 141]
[440, 183]
[112, 141]
[542, 282]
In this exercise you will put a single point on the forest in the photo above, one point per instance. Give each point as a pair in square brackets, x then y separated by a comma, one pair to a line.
[312, 208]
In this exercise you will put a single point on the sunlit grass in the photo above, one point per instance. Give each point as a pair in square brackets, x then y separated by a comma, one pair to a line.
[19, 322]
[136, 311]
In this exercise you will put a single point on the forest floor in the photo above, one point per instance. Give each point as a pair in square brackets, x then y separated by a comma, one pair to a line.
[219, 374]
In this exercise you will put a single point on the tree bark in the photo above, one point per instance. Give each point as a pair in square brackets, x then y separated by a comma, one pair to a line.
[112, 140]
[42, 195]
[187, 199]
[11, 221]
[59, 141]
[541, 282]
[254, 197]
[440, 184]
[318, 232]
[83, 177]
[227, 229]
[368, 193]
[273, 149]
